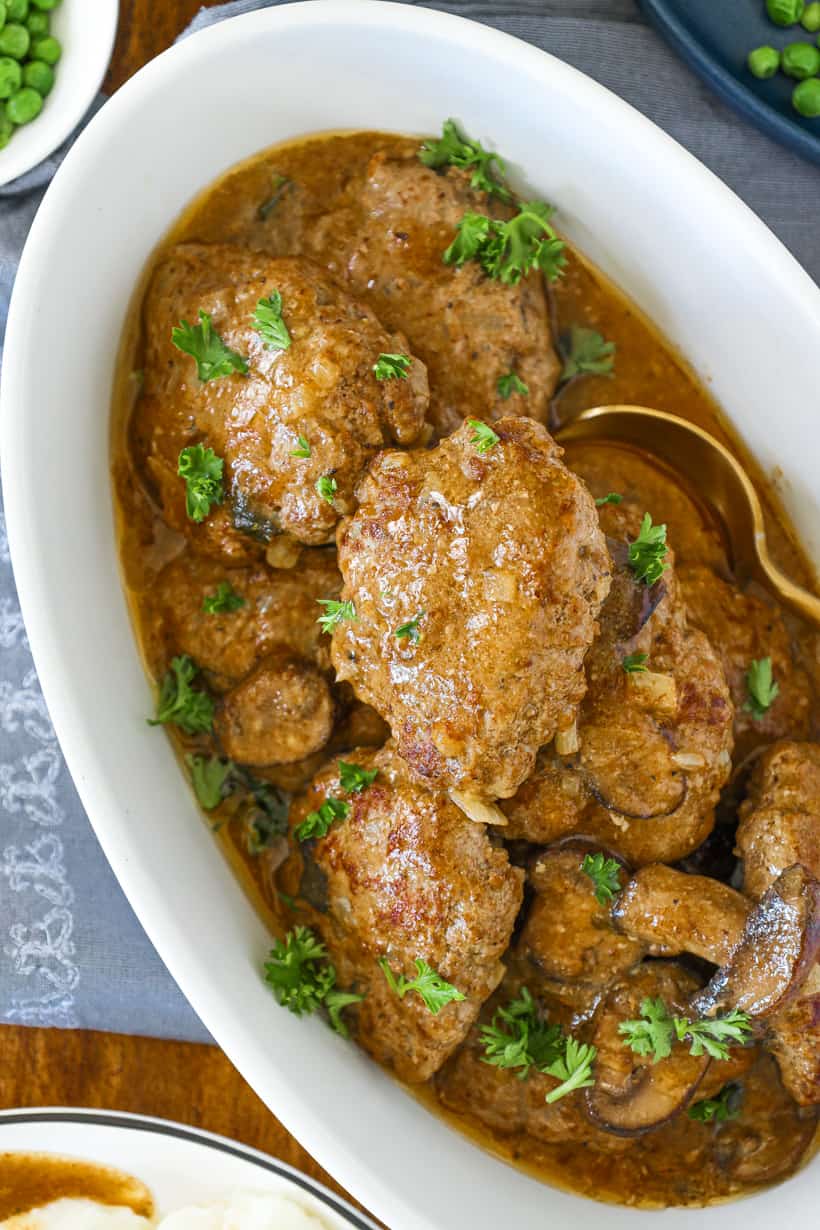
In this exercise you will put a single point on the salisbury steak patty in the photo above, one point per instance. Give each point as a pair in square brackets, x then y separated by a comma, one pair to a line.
[312, 412]
[405, 877]
[476, 578]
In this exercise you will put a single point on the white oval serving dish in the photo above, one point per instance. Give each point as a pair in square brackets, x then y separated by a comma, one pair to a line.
[693, 256]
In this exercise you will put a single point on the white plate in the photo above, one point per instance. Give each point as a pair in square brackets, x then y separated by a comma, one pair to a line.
[695, 258]
[181, 1165]
[86, 29]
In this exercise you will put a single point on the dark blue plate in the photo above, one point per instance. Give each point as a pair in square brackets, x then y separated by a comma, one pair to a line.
[715, 37]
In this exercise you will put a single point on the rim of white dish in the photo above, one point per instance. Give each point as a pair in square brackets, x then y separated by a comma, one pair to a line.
[188, 965]
[87, 39]
[151, 1124]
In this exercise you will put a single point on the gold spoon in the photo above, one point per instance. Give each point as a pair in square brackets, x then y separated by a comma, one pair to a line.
[721, 482]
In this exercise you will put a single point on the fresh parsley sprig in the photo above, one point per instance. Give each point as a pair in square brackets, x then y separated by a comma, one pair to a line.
[761, 687]
[573, 1069]
[434, 990]
[511, 383]
[353, 778]
[224, 600]
[605, 874]
[391, 367]
[647, 554]
[518, 1039]
[268, 323]
[454, 150]
[180, 704]
[718, 1109]
[335, 613]
[507, 251]
[317, 823]
[213, 357]
[587, 353]
[202, 471]
[483, 437]
[655, 1032]
[303, 979]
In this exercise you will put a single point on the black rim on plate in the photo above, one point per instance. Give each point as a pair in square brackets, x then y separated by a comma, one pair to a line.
[164, 1127]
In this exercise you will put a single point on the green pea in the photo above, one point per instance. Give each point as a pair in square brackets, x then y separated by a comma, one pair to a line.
[806, 98]
[811, 18]
[800, 60]
[24, 106]
[6, 128]
[3, 14]
[11, 76]
[38, 24]
[17, 9]
[763, 62]
[48, 49]
[39, 75]
[785, 12]
[14, 41]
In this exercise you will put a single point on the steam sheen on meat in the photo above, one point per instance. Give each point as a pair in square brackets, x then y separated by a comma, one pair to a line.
[497, 562]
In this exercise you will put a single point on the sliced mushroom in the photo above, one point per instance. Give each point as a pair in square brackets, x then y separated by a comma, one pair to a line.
[632, 1095]
[777, 950]
[673, 912]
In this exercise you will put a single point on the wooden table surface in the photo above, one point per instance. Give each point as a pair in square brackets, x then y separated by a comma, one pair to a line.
[174, 1080]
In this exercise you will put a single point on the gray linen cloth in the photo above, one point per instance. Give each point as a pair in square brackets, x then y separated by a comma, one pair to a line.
[71, 951]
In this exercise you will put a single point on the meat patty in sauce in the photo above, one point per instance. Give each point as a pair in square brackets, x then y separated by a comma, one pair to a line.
[476, 580]
[406, 877]
[320, 396]
[384, 242]
[653, 747]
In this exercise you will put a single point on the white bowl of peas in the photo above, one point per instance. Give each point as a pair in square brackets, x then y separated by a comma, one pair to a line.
[52, 60]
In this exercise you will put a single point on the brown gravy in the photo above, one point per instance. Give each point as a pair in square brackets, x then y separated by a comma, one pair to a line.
[31, 1180]
[669, 1166]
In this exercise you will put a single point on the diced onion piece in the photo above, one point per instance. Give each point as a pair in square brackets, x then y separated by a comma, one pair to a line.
[656, 691]
[688, 760]
[283, 552]
[566, 741]
[477, 809]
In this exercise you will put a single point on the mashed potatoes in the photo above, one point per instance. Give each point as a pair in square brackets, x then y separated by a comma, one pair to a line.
[243, 1211]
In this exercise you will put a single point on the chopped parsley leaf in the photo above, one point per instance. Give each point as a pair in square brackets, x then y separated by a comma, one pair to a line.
[335, 613]
[573, 1069]
[303, 450]
[613, 498]
[268, 322]
[587, 354]
[634, 663]
[410, 630]
[509, 384]
[213, 357]
[225, 599]
[280, 185]
[718, 1109]
[353, 778]
[317, 823]
[761, 688]
[179, 703]
[648, 552]
[507, 251]
[391, 367]
[433, 989]
[303, 979]
[326, 488]
[655, 1031]
[453, 150]
[605, 874]
[517, 1038]
[210, 778]
[483, 437]
[202, 471]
